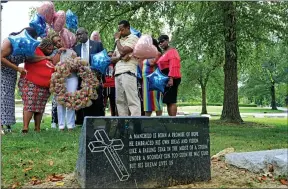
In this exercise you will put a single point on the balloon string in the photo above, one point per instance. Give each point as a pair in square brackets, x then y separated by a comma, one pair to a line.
[166, 91]
[139, 94]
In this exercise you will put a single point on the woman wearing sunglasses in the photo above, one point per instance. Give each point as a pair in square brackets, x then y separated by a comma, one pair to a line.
[170, 65]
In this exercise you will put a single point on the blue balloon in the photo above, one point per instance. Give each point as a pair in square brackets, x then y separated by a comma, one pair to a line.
[71, 20]
[135, 32]
[39, 24]
[23, 44]
[100, 61]
[139, 72]
[157, 81]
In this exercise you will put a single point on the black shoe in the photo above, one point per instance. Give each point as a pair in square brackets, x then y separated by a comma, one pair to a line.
[24, 131]
[8, 131]
[78, 123]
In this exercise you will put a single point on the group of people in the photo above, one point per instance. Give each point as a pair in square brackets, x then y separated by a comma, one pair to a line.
[127, 94]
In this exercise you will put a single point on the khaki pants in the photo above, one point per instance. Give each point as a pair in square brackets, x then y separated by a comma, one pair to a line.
[127, 99]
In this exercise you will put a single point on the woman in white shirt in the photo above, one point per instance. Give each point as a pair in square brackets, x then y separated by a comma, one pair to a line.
[71, 84]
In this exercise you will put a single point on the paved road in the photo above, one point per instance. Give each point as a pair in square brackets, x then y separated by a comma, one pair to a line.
[19, 111]
[283, 109]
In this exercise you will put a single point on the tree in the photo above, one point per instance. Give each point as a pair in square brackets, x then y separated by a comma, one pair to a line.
[230, 110]
[202, 54]
[264, 76]
[216, 87]
[282, 94]
[103, 16]
[256, 23]
[275, 68]
[232, 32]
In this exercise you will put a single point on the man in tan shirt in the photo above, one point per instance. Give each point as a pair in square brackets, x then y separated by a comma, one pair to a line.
[127, 99]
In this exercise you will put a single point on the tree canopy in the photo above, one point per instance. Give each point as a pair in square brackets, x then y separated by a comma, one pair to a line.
[217, 40]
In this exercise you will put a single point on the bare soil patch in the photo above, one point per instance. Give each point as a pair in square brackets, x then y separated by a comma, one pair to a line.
[223, 176]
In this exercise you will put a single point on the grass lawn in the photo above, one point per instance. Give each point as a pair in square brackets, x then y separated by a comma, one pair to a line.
[218, 109]
[40, 155]
[255, 134]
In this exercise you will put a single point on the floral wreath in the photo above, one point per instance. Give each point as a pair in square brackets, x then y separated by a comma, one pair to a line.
[80, 98]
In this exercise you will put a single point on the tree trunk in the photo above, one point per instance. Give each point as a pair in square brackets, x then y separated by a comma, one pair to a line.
[273, 96]
[230, 112]
[204, 103]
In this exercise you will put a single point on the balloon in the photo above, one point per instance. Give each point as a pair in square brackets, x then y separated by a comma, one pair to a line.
[100, 61]
[49, 31]
[157, 81]
[59, 20]
[47, 10]
[144, 48]
[39, 24]
[135, 32]
[71, 20]
[68, 38]
[23, 44]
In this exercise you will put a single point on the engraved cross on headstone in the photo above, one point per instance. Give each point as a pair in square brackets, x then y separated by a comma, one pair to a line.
[109, 147]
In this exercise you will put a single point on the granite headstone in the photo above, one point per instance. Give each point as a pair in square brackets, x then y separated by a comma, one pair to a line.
[143, 152]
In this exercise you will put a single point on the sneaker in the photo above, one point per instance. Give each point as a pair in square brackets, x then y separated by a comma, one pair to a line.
[53, 126]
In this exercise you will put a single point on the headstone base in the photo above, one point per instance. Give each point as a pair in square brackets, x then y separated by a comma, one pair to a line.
[143, 152]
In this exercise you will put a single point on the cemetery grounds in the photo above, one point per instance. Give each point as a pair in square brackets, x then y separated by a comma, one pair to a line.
[48, 159]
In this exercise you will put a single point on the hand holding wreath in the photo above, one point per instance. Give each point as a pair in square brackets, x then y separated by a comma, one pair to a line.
[81, 98]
